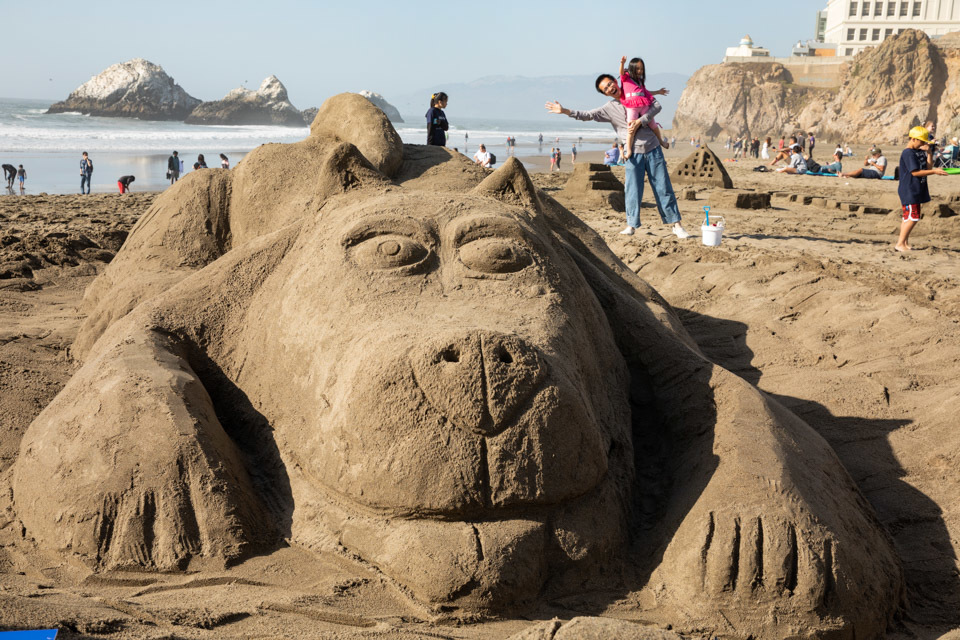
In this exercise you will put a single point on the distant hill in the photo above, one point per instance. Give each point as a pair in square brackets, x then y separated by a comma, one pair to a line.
[522, 98]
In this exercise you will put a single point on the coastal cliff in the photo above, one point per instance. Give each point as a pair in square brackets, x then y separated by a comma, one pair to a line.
[884, 91]
[134, 89]
[268, 105]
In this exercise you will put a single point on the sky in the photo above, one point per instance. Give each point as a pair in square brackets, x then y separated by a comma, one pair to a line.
[322, 48]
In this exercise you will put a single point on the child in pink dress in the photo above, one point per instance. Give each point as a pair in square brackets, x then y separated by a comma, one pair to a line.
[637, 100]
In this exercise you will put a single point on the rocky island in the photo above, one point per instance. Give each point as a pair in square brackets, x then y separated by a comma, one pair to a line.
[268, 105]
[134, 89]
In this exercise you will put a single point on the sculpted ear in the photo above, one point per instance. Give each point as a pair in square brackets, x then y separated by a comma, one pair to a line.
[354, 119]
[511, 183]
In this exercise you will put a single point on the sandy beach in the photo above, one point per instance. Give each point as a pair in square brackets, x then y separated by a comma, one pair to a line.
[805, 299]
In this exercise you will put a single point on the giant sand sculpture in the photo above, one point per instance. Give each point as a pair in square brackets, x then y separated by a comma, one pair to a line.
[381, 350]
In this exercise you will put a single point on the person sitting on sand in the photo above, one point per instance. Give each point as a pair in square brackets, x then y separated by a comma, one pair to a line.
[637, 100]
[9, 172]
[784, 154]
[612, 155]
[798, 164]
[916, 163]
[123, 183]
[874, 166]
[836, 166]
[482, 156]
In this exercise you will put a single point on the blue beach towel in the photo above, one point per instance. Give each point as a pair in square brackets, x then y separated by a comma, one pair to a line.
[40, 634]
[821, 173]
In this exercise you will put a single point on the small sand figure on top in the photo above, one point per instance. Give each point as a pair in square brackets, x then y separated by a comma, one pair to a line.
[637, 100]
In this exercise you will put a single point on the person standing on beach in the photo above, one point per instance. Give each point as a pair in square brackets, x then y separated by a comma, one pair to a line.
[224, 162]
[86, 172]
[9, 172]
[646, 157]
[124, 183]
[811, 143]
[540, 139]
[437, 120]
[173, 167]
[573, 154]
[558, 158]
[916, 163]
[553, 158]
[21, 176]
[201, 162]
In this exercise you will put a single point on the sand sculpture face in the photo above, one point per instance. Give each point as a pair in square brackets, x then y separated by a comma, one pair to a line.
[448, 377]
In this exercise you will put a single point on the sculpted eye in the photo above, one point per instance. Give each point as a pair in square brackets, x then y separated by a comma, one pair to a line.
[495, 255]
[389, 252]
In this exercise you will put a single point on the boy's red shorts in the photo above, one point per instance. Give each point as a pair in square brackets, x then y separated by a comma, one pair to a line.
[911, 212]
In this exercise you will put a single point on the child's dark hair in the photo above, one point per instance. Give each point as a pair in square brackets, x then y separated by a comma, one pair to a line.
[637, 71]
[440, 96]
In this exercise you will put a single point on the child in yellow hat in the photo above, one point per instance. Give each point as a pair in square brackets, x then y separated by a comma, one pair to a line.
[916, 163]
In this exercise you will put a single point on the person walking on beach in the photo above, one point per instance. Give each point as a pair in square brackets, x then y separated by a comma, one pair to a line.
[173, 167]
[573, 154]
[86, 172]
[916, 163]
[10, 173]
[437, 120]
[21, 176]
[646, 156]
[124, 183]
[224, 162]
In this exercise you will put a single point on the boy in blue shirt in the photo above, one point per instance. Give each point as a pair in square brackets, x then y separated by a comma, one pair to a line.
[916, 164]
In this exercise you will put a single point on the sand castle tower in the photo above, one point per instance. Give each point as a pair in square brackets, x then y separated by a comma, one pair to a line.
[704, 168]
[593, 185]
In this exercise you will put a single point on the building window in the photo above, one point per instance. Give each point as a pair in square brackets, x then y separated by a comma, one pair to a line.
[853, 9]
[899, 31]
[877, 9]
[851, 34]
[891, 9]
[865, 9]
[875, 35]
[903, 9]
[916, 9]
[863, 34]
[849, 52]
[887, 33]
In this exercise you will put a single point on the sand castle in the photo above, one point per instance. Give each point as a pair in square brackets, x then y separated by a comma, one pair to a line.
[381, 350]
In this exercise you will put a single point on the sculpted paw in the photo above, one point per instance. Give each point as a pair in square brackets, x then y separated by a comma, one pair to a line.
[129, 466]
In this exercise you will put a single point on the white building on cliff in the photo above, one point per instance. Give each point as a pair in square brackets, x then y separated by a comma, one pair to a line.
[854, 25]
[746, 49]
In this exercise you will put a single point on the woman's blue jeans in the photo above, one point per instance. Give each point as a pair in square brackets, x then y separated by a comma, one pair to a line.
[655, 166]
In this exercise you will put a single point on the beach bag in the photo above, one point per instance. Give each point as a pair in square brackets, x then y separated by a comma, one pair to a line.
[168, 174]
[813, 166]
[493, 159]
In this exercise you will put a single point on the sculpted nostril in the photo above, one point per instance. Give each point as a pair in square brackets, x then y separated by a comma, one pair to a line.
[504, 356]
[450, 354]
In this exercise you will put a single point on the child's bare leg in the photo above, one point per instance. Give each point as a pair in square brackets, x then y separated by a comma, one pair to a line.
[905, 228]
[628, 148]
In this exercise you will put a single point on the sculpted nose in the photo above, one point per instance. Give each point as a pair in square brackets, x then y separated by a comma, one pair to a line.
[478, 380]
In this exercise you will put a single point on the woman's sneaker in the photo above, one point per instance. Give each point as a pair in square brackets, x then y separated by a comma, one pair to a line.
[679, 231]
[628, 231]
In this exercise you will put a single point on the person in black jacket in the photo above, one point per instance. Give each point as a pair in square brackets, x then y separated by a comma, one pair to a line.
[173, 167]
[10, 173]
[437, 120]
[123, 183]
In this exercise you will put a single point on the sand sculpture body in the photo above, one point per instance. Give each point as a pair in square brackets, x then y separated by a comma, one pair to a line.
[385, 351]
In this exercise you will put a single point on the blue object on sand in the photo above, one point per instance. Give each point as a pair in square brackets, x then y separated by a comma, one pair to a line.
[888, 178]
[39, 634]
[821, 173]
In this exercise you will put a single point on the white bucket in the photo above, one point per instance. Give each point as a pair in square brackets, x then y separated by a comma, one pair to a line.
[711, 234]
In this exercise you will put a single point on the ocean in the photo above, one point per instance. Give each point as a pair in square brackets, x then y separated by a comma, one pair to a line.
[49, 146]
